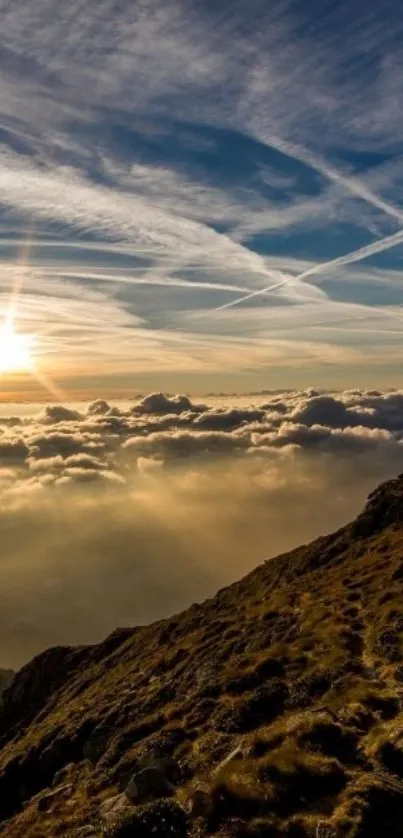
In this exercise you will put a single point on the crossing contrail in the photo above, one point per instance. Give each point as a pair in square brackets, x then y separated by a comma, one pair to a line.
[354, 256]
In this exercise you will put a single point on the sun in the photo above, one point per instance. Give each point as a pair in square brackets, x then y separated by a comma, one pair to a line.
[15, 349]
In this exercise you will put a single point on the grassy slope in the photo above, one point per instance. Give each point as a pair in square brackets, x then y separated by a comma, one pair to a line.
[300, 664]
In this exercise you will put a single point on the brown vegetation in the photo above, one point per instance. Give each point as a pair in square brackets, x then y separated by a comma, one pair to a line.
[276, 706]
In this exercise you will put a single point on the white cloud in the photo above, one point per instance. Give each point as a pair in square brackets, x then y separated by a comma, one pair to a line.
[114, 516]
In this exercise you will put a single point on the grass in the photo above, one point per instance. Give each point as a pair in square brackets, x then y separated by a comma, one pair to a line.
[296, 670]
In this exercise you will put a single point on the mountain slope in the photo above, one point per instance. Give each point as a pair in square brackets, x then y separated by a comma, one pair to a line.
[6, 676]
[274, 709]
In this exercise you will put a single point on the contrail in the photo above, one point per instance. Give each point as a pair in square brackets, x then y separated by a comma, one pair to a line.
[241, 299]
[351, 183]
[354, 256]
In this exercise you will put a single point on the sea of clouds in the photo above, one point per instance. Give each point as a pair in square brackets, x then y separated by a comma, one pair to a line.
[117, 515]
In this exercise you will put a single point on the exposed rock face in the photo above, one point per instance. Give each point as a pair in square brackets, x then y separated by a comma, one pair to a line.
[274, 709]
[383, 509]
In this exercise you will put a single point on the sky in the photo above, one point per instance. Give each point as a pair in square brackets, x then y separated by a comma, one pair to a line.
[199, 196]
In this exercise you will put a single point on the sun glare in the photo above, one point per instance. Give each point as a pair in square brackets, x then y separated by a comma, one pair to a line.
[15, 349]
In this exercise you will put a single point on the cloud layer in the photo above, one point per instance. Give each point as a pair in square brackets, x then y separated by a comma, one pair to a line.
[120, 514]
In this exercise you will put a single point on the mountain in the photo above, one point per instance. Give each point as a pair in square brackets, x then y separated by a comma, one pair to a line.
[274, 709]
[6, 676]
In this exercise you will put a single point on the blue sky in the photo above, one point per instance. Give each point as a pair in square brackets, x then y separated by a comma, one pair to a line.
[202, 196]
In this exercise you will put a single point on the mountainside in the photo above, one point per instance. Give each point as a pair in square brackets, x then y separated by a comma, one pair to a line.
[274, 709]
[6, 676]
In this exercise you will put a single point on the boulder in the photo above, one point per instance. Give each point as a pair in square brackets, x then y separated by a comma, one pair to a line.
[148, 783]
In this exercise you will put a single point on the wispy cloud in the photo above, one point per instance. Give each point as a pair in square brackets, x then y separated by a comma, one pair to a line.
[179, 159]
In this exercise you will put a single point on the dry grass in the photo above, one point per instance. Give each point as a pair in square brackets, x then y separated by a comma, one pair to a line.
[296, 671]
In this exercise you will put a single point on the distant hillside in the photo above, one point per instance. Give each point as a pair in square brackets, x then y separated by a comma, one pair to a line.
[6, 676]
[274, 709]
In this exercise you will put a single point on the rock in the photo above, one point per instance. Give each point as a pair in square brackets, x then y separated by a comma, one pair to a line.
[97, 744]
[45, 801]
[63, 775]
[85, 832]
[161, 819]
[52, 758]
[150, 782]
[200, 804]
[113, 808]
